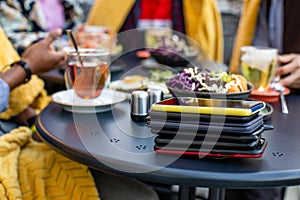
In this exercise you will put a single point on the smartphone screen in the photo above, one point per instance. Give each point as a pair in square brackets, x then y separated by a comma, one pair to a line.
[206, 104]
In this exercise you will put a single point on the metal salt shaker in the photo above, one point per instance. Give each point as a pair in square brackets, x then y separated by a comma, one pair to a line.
[155, 95]
[139, 105]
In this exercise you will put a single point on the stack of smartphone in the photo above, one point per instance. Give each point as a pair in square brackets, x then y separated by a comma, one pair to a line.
[208, 127]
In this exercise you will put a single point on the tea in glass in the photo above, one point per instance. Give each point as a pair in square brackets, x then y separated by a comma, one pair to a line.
[88, 74]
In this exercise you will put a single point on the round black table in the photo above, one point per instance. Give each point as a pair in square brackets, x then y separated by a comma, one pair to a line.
[112, 141]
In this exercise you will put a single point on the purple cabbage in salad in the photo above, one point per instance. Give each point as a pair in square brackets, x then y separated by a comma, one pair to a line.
[173, 48]
[192, 79]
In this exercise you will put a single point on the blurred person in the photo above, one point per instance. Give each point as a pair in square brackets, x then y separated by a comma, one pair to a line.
[28, 166]
[28, 21]
[86, 6]
[268, 23]
[25, 21]
[198, 19]
[272, 23]
[20, 156]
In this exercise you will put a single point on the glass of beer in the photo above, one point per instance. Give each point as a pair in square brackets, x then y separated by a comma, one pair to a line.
[87, 72]
[257, 65]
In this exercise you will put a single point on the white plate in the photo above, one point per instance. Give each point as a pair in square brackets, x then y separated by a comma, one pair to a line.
[120, 85]
[72, 103]
[127, 88]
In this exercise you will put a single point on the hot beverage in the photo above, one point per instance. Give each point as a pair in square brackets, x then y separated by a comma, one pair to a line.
[88, 73]
[88, 81]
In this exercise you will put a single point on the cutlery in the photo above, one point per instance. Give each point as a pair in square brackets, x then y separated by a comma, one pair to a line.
[279, 87]
[274, 80]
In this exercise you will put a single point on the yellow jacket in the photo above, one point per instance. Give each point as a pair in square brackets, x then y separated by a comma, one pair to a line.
[201, 17]
[245, 31]
[29, 169]
[31, 93]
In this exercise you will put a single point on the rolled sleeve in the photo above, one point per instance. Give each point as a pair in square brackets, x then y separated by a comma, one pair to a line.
[4, 95]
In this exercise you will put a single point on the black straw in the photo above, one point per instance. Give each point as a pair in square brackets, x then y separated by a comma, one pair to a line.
[69, 32]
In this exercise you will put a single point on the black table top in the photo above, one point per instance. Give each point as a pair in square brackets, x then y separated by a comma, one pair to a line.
[111, 141]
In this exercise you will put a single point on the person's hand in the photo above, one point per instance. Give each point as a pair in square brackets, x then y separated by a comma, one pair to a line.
[290, 69]
[22, 118]
[41, 56]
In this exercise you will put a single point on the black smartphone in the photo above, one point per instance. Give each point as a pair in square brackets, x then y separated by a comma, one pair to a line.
[257, 152]
[178, 116]
[212, 122]
[209, 106]
[223, 137]
[165, 125]
[198, 144]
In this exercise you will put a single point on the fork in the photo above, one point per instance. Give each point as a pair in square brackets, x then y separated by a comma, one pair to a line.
[279, 87]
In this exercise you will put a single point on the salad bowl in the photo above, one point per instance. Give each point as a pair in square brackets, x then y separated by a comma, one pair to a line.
[193, 82]
[174, 51]
[232, 95]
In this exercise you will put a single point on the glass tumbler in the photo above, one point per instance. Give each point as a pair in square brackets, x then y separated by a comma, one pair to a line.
[87, 72]
[258, 64]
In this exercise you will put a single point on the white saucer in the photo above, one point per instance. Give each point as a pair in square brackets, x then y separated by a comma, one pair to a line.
[103, 103]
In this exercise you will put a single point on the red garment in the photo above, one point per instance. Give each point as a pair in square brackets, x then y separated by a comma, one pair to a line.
[176, 23]
[156, 9]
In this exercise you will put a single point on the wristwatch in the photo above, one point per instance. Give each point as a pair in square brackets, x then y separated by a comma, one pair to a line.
[25, 66]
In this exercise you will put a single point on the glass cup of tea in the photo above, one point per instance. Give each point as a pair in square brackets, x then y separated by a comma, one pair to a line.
[257, 65]
[88, 72]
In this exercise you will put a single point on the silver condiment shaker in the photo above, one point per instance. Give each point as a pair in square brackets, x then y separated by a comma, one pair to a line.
[139, 105]
[155, 95]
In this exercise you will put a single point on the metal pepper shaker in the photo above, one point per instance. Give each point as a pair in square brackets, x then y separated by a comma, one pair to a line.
[155, 95]
[139, 105]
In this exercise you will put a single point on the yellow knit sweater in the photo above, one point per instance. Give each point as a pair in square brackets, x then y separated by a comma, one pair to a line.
[201, 17]
[31, 170]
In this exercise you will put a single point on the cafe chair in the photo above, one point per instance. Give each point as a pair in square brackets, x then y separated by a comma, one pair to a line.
[230, 22]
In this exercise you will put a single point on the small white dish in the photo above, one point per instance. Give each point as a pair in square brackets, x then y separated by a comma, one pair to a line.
[72, 103]
[127, 88]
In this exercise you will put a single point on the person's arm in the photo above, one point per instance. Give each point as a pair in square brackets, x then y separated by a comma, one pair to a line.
[8, 82]
[290, 70]
[4, 95]
[14, 77]
[38, 58]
